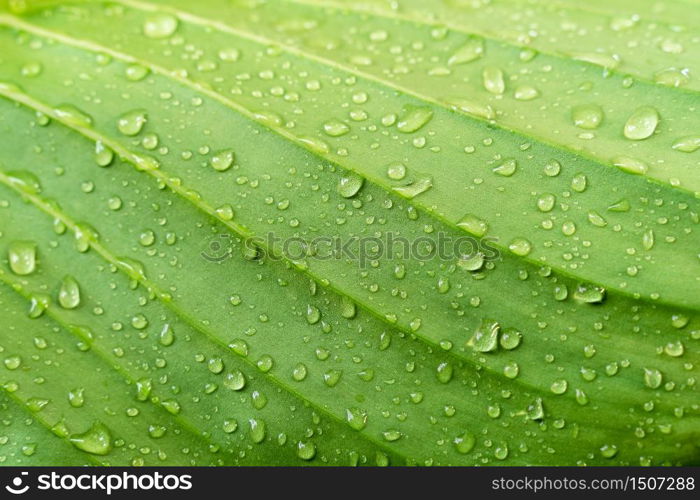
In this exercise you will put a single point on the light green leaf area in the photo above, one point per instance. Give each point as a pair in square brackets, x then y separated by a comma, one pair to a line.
[149, 149]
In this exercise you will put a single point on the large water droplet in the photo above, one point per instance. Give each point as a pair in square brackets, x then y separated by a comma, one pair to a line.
[470, 51]
[419, 186]
[132, 122]
[642, 123]
[350, 185]
[493, 80]
[485, 337]
[587, 116]
[22, 257]
[97, 440]
[630, 165]
[222, 160]
[69, 293]
[160, 26]
[414, 118]
[688, 144]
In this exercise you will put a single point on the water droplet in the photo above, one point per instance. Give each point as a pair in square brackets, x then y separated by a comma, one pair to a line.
[350, 185]
[69, 293]
[313, 314]
[493, 80]
[472, 262]
[485, 337]
[445, 372]
[299, 373]
[511, 370]
[674, 349]
[67, 113]
[171, 406]
[652, 378]
[348, 309]
[546, 202]
[225, 212]
[259, 400]
[474, 225]
[235, 380]
[97, 440]
[630, 165]
[464, 443]
[22, 257]
[332, 377]
[470, 51]
[139, 321]
[472, 108]
[257, 430]
[230, 425]
[526, 93]
[396, 171]
[552, 168]
[391, 435]
[103, 155]
[136, 72]
[132, 122]
[417, 187]
[76, 397]
[414, 118]
[265, 363]
[688, 144]
[239, 346]
[222, 160]
[587, 116]
[642, 123]
[335, 128]
[510, 338]
[507, 168]
[608, 450]
[160, 26]
[520, 247]
[559, 386]
[306, 450]
[215, 365]
[568, 228]
[12, 362]
[39, 302]
[607, 61]
[589, 294]
[356, 418]
[596, 219]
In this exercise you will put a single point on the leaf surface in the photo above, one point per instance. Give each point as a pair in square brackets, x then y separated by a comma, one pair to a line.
[144, 145]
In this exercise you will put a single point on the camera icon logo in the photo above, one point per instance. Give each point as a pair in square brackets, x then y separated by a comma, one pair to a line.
[16, 488]
[218, 249]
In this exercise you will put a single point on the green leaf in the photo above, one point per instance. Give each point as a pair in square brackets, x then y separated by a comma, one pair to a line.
[174, 177]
